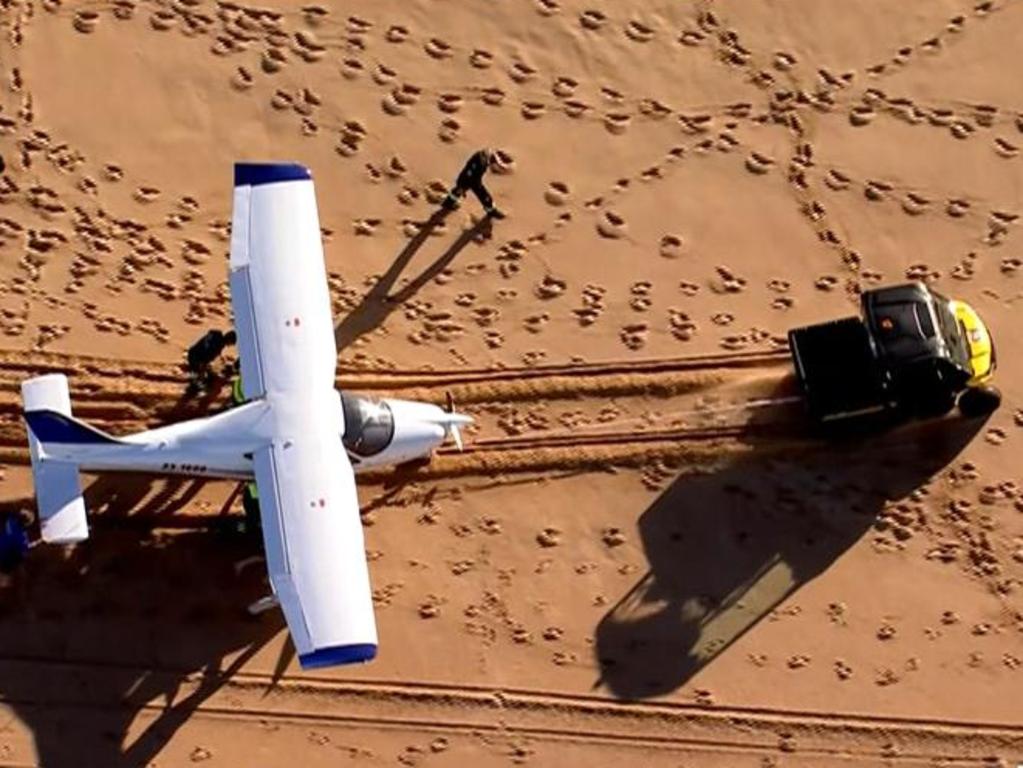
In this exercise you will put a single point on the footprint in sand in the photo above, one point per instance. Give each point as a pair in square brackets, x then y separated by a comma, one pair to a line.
[313, 15]
[449, 130]
[726, 281]
[691, 38]
[957, 208]
[576, 109]
[783, 61]
[670, 246]
[996, 435]
[617, 122]
[493, 339]
[688, 288]
[383, 74]
[533, 110]
[826, 283]
[547, 7]
[481, 59]
[634, 336]
[438, 49]
[564, 87]
[558, 193]
[85, 21]
[1005, 148]
[783, 303]
[400, 99]
[146, 194]
[861, 115]
[242, 79]
[281, 100]
[875, 191]
[504, 162]
[639, 32]
[536, 323]
[550, 288]
[449, 103]
[162, 20]
[915, 204]
[682, 326]
[549, 537]
[352, 69]
[593, 20]
[640, 300]
[396, 34]
[124, 9]
[653, 173]
[395, 168]
[358, 26]
[759, 164]
[492, 96]
[308, 47]
[521, 71]
[365, 227]
[922, 272]
[837, 180]
[1011, 265]
[273, 60]
[611, 225]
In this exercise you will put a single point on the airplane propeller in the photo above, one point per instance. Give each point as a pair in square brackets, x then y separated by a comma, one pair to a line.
[452, 425]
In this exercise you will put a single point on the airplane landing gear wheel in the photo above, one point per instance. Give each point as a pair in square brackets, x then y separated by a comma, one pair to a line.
[979, 401]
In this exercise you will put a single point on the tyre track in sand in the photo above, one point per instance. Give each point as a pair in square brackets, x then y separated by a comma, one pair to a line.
[125, 396]
[532, 715]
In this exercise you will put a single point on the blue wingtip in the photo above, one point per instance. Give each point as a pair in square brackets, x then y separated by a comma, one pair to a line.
[254, 174]
[338, 654]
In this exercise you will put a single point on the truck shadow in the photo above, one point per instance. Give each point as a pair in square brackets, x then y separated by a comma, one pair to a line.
[725, 548]
[109, 647]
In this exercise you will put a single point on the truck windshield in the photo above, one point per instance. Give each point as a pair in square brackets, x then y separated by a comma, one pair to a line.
[952, 332]
[369, 424]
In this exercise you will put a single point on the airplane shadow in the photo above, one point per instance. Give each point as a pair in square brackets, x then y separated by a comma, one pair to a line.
[112, 645]
[725, 548]
[379, 302]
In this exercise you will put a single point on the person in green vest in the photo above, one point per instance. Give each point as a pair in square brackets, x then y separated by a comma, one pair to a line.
[237, 391]
[250, 503]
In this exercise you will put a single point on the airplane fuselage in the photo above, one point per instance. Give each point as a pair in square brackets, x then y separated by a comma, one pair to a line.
[375, 433]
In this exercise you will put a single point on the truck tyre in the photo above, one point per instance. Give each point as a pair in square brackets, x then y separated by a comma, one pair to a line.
[979, 401]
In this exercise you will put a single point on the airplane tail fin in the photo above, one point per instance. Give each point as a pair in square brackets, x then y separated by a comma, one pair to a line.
[47, 404]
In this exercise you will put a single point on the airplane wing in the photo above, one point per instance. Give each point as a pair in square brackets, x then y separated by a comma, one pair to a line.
[309, 509]
[314, 548]
[278, 282]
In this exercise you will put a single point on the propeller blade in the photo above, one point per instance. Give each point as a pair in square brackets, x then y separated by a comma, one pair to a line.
[457, 434]
[451, 402]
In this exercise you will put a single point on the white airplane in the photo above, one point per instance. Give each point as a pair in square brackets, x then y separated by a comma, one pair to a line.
[297, 435]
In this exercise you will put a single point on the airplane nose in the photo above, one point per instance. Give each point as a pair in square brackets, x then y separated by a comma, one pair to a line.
[417, 427]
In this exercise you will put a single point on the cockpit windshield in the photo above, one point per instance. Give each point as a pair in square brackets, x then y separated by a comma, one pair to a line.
[952, 331]
[369, 425]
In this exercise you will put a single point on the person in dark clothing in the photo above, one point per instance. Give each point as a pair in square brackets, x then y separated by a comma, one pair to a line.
[13, 542]
[471, 179]
[3, 165]
[203, 353]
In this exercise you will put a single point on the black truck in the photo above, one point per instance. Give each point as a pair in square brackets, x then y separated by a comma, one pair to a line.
[912, 354]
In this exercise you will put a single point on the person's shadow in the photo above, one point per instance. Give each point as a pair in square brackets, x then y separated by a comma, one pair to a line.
[725, 548]
[376, 305]
[120, 627]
